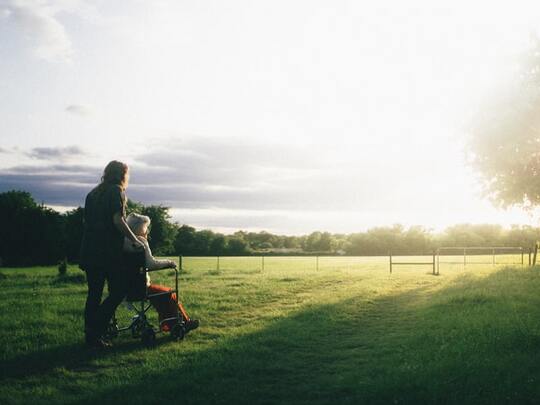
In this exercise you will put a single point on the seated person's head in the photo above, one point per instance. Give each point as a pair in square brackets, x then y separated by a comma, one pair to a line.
[138, 224]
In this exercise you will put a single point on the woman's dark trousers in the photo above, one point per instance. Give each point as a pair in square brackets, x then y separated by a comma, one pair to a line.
[97, 314]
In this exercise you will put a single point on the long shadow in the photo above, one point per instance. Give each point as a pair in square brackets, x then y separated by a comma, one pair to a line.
[396, 351]
[72, 357]
[452, 348]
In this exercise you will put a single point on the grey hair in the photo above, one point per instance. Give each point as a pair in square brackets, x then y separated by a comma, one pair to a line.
[137, 222]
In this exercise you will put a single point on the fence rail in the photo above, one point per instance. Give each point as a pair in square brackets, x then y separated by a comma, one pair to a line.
[473, 255]
[468, 252]
[432, 264]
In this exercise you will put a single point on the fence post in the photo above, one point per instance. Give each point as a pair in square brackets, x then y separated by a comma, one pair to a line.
[434, 262]
[522, 263]
[535, 253]
[179, 262]
[390, 254]
[530, 251]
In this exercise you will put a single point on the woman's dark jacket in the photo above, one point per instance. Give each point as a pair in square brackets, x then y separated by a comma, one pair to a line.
[102, 242]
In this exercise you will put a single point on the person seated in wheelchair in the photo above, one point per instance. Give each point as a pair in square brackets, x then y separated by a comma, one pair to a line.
[165, 304]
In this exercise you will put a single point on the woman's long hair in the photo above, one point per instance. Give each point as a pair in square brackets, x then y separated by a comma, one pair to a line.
[114, 174]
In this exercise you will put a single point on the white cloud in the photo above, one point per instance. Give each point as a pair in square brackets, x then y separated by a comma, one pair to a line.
[79, 109]
[39, 23]
[56, 153]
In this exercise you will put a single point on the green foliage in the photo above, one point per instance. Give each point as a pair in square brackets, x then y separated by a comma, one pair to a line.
[189, 241]
[505, 138]
[162, 230]
[62, 267]
[73, 232]
[320, 242]
[30, 234]
[287, 335]
[237, 246]
[38, 235]
[134, 207]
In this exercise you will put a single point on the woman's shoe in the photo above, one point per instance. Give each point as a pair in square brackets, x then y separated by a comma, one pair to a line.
[99, 343]
[191, 325]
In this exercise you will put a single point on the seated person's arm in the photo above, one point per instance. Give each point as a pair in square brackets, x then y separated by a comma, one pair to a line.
[151, 262]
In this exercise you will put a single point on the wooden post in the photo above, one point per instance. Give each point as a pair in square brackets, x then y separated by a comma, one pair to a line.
[535, 253]
[179, 262]
[522, 262]
[433, 262]
[530, 252]
[390, 254]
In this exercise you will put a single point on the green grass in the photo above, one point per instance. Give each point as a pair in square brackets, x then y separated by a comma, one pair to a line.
[348, 333]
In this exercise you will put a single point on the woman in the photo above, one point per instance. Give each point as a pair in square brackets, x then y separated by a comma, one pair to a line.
[165, 304]
[101, 251]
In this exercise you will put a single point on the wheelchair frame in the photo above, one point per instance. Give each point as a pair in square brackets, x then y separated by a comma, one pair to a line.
[140, 325]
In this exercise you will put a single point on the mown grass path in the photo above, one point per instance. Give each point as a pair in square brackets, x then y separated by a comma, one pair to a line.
[287, 335]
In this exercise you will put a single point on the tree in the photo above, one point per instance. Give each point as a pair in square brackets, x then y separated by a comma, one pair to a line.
[505, 141]
[134, 207]
[201, 243]
[31, 234]
[217, 245]
[312, 242]
[327, 243]
[73, 221]
[185, 240]
[162, 230]
[237, 246]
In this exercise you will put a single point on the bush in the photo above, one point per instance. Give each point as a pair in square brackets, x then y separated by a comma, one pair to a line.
[62, 267]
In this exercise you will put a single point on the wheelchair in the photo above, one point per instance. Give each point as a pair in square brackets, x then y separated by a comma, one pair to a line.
[138, 300]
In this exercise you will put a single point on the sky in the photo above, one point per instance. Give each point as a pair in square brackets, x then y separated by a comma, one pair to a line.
[286, 116]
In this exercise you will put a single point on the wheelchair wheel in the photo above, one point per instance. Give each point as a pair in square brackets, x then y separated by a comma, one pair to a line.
[178, 331]
[137, 328]
[148, 337]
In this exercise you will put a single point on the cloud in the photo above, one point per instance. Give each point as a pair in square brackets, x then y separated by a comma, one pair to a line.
[79, 109]
[64, 185]
[226, 173]
[221, 182]
[234, 173]
[39, 23]
[55, 153]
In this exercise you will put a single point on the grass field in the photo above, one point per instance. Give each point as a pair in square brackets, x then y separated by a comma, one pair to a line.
[347, 333]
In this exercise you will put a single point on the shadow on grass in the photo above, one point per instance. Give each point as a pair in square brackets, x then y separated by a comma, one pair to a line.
[472, 342]
[403, 349]
[71, 357]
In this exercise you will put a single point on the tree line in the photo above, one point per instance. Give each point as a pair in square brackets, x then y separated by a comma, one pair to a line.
[33, 234]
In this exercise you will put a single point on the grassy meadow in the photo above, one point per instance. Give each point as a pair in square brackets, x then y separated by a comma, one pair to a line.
[349, 332]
